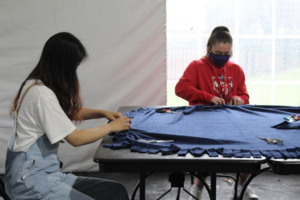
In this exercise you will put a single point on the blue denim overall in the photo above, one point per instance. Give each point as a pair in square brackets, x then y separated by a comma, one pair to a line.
[35, 175]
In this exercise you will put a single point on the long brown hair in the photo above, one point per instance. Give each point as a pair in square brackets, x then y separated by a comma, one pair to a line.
[61, 55]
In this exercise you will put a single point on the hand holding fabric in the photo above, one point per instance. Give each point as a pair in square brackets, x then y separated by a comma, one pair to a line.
[112, 115]
[217, 101]
[236, 101]
[120, 124]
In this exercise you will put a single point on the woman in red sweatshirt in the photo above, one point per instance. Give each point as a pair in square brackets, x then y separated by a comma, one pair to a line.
[215, 80]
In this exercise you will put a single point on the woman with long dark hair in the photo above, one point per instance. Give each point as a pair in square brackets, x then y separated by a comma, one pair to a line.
[43, 110]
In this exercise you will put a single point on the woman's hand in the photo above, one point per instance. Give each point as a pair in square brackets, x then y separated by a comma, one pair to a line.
[86, 136]
[112, 115]
[236, 101]
[217, 101]
[120, 124]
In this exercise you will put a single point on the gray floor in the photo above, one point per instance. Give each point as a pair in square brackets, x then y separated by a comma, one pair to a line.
[267, 185]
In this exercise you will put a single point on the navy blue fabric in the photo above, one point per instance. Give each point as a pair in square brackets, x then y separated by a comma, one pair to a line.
[227, 153]
[183, 152]
[293, 153]
[237, 153]
[212, 152]
[276, 154]
[286, 154]
[266, 153]
[246, 153]
[287, 125]
[255, 154]
[298, 151]
[227, 130]
[170, 150]
[197, 151]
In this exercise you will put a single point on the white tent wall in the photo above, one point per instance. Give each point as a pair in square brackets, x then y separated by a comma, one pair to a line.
[126, 43]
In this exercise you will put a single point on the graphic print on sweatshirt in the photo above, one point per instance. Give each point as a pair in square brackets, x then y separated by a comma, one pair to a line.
[224, 90]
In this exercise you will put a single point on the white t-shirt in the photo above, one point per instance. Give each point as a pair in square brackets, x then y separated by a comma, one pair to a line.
[39, 114]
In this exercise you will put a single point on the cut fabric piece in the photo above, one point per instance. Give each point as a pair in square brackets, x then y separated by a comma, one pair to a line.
[246, 153]
[227, 153]
[288, 125]
[298, 151]
[255, 154]
[138, 147]
[170, 150]
[293, 153]
[212, 153]
[285, 154]
[276, 154]
[154, 149]
[266, 153]
[237, 153]
[197, 152]
[183, 152]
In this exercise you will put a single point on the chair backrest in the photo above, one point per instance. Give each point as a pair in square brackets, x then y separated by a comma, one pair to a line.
[2, 190]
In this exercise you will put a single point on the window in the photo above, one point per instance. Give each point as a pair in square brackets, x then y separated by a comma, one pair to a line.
[266, 44]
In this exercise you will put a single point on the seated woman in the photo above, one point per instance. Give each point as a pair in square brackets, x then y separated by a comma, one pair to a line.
[215, 80]
[44, 108]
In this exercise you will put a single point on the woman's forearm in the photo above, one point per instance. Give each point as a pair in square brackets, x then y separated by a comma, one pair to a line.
[89, 113]
[86, 136]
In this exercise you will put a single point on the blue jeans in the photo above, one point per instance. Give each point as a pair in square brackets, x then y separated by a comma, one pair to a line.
[35, 175]
[87, 188]
[100, 189]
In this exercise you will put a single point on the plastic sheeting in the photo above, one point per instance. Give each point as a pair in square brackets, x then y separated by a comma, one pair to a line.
[126, 43]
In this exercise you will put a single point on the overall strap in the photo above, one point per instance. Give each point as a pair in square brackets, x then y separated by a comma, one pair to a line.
[13, 136]
[23, 96]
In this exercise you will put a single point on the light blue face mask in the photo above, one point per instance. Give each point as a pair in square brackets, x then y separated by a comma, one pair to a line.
[219, 60]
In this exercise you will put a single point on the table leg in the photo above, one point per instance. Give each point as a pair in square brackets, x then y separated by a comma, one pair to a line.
[236, 186]
[213, 186]
[143, 176]
[178, 193]
[245, 185]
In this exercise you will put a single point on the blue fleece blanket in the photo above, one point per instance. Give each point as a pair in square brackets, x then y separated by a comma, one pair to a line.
[231, 131]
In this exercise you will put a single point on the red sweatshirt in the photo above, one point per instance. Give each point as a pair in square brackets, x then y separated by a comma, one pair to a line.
[202, 81]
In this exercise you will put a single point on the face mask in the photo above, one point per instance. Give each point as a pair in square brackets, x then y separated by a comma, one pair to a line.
[219, 60]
